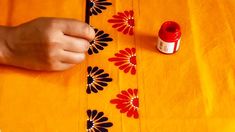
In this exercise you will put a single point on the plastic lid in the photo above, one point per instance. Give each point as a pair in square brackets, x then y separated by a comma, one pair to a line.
[170, 31]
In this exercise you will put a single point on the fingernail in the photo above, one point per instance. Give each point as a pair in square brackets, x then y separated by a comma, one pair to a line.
[88, 46]
[92, 32]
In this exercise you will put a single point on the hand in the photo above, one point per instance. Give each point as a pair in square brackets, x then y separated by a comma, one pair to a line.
[49, 44]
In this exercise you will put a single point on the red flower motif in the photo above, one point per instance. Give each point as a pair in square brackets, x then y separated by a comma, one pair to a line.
[124, 22]
[128, 102]
[126, 60]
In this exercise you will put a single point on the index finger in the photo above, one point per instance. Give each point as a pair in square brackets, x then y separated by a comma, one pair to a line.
[76, 28]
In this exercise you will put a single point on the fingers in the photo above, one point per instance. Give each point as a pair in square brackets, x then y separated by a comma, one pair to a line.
[65, 66]
[67, 61]
[72, 27]
[73, 44]
[71, 57]
[60, 66]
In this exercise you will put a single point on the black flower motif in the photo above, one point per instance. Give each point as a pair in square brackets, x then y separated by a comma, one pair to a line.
[96, 6]
[99, 42]
[96, 79]
[97, 122]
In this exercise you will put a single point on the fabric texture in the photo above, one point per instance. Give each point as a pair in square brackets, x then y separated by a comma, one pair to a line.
[125, 84]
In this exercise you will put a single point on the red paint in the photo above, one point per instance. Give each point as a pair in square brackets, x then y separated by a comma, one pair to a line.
[128, 102]
[125, 60]
[123, 22]
[170, 32]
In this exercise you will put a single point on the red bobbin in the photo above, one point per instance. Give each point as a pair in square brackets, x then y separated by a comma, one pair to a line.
[169, 37]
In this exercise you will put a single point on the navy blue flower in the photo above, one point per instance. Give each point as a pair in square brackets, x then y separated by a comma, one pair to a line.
[96, 6]
[99, 42]
[97, 122]
[96, 79]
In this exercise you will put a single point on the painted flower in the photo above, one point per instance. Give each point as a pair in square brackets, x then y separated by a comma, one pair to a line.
[96, 6]
[128, 102]
[99, 42]
[97, 122]
[96, 79]
[124, 22]
[126, 60]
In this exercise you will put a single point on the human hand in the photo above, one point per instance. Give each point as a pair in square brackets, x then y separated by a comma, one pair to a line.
[49, 44]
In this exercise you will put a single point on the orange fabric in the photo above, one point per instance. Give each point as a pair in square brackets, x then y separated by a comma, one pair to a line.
[190, 91]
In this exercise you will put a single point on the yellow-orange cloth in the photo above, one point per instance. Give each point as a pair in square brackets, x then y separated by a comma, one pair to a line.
[190, 91]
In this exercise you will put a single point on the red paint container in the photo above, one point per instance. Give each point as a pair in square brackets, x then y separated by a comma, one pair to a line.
[169, 37]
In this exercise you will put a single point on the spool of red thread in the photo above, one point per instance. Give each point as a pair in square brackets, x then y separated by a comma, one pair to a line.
[169, 37]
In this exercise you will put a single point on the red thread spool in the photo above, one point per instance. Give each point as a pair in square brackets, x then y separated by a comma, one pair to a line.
[169, 37]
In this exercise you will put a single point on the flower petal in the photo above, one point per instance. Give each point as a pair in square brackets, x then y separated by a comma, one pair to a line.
[127, 69]
[105, 79]
[117, 25]
[133, 70]
[115, 21]
[136, 114]
[124, 67]
[120, 29]
[131, 32]
[93, 114]
[120, 63]
[89, 113]
[101, 129]
[130, 112]
[106, 124]
[125, 109]
[102, 119]
[117, 59]
[130, 91]
[99, 72]
[88, 90]
[131, 13]
[93, 89]
[135, 92]
[122, 96]
[100, 114]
